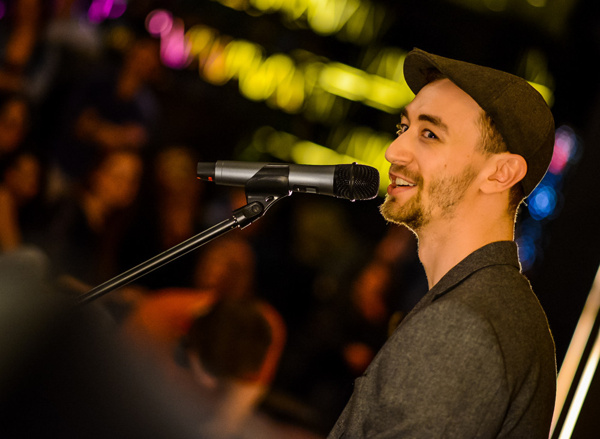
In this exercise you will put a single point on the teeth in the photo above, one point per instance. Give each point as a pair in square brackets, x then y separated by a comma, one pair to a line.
[401, 182]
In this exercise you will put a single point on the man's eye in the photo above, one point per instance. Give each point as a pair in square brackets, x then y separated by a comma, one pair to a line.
[402, 127]
[429, 134]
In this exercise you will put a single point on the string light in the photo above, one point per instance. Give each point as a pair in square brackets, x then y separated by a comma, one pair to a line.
[357, 21]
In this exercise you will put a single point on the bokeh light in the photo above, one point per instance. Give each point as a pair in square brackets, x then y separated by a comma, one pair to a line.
[545, 201]
[100, 10]
[159, 22]
[357, 21]
[542, 202]
[565, 150]
[527, 251]
[175, 48]
[118, 9]
[530, 234]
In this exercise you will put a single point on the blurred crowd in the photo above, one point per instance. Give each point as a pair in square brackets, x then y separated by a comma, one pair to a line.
[263, 330]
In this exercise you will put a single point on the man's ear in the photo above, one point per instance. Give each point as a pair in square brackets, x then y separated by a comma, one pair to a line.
[506, 170]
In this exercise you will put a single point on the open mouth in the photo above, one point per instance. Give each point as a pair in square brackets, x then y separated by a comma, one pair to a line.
[400, 182]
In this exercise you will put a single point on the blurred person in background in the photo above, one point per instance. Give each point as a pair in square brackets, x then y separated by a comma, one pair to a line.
[224, 270]
[397, 252]
[19, 185]
[172, 210]
[113, 110]
[223, 314]
[87, 228]
[23, 163]
[24, 267]
[227, 268]
[232, 353]
[15, 121]
[19, 43]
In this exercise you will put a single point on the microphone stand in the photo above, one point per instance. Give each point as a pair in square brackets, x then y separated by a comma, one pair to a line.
[266, 187]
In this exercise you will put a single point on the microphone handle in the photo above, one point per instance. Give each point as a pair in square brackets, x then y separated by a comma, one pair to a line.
[350, 181]
[302, 178]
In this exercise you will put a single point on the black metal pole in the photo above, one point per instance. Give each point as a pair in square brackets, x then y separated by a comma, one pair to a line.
[159, 260]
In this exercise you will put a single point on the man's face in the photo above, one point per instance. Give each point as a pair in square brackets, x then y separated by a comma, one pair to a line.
[436, 157]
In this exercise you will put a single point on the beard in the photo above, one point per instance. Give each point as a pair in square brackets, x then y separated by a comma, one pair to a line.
[444, 194]
[410, 214]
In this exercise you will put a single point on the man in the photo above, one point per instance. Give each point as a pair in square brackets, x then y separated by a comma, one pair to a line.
[475, 357]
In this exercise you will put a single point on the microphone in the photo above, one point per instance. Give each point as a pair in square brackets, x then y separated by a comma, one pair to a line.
[353, 182]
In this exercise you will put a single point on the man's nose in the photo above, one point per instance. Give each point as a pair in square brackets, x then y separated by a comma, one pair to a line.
[399, 151]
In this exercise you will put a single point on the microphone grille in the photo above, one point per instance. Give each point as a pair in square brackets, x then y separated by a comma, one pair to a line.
[356, 182]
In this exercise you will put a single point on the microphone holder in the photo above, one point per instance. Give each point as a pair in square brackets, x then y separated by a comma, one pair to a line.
[266, 187]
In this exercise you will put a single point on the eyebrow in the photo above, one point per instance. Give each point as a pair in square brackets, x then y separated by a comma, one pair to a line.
[427, 118]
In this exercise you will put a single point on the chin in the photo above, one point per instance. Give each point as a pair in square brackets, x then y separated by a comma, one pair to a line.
[408, 215]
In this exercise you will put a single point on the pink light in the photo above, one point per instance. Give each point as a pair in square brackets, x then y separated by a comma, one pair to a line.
[564, 149]
[174, 48]
[159, 22]
[560, 158]
[2, 9]
[118, 9]
[100, 10]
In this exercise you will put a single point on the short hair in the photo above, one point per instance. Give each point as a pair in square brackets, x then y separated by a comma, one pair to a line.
[231, 340]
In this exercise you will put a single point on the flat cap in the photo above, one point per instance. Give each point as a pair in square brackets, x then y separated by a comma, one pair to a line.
[519, 112]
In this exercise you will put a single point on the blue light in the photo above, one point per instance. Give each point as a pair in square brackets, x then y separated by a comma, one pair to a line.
[527, 251]
[542, 203]
[546, 200]
[531, 228]
[554, 180]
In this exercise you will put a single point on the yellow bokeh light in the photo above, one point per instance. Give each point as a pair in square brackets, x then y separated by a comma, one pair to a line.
[344, 81]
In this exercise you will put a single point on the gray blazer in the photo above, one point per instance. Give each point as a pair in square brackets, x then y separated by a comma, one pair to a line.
[474, 359]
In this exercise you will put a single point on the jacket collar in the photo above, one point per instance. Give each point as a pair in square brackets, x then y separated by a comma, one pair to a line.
[496, 253]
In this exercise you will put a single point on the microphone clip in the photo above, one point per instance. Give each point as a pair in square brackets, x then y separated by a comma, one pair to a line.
[269, 185]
